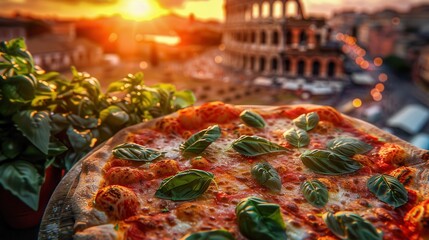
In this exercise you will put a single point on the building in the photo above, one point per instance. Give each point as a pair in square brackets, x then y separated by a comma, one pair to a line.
[275, 38]
[54, 45]
[392, 33]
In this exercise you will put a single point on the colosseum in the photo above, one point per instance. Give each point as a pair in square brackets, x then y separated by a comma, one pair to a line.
[274, 38]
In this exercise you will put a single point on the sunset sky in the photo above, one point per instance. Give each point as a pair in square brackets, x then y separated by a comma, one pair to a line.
[148, 9]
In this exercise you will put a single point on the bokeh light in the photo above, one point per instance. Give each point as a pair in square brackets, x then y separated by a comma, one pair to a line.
[357, 102]
[218, 59]
[364, 64]
[378, 61]
[113, 37]
[143, 65]
[382, 77]
[379, 87]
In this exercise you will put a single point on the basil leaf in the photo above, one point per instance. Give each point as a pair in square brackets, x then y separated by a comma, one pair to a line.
[297, 137]
[252, 119]
[348, 146]
[307, 121]
[259, 219]
[267, 176]
[251, 146]
[219, 234]
[350, 226]
[315, 192]
[329, 163]
[388, 189]
[135, 152]
[35, 126]
[186, 185]
[22, 179]
[200, 140]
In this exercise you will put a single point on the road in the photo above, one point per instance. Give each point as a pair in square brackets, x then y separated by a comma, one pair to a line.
[398, 92]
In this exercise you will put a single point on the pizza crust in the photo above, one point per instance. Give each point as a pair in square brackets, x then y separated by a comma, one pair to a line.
[89, 221]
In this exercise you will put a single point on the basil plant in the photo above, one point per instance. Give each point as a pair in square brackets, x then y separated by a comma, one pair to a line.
[47, 120]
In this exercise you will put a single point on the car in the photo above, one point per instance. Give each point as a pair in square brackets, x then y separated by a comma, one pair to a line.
[305, 90]
[362, 78]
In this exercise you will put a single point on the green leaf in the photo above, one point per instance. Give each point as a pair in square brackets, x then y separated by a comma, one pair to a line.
[251, 146]
[209, 235]
[329, 163]
[135, 152]
[11, 147]
[388, 189]
[82, 123]
[117, 86]
[198, 142]
[297, 137]
[114, 116]
[184, 98]
[19, 88]
[56, 148]
[315, 192]
[267, 176]
[35, 126]
[72, 157]
[185, 185]
[259, 219]
[348, 146]
[22, 180]
[307, 121]
[252, 119]
[80, 141]
[350, 226]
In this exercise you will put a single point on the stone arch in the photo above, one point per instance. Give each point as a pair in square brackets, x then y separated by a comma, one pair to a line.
[331, 68]
[255, 11]
[252, 63]
[247, 14]
[263, 39]
[253, 37]
[301, 67]
[288, 37]
[315, 68]
[262, 63]
[303, 37]
[265, 9]
[318, 39]
[293, 8]
[274, 64]
[275, 38]
[286, 65]
[278, 9]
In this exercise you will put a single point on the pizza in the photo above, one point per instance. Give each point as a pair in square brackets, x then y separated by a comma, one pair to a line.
[220, 171]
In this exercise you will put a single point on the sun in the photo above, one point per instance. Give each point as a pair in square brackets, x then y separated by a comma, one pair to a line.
[140, 10]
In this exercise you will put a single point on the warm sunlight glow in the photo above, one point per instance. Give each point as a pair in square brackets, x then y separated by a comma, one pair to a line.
[140, 10]
[167, 40]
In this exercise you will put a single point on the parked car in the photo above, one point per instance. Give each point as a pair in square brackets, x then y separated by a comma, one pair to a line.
[362, 78]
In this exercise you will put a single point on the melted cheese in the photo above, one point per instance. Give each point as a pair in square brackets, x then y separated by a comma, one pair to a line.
[234, 182]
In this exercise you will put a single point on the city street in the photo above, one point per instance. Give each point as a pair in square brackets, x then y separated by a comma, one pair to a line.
[396, 93]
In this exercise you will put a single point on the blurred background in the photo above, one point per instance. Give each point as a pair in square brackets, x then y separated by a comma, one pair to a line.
[368, 59]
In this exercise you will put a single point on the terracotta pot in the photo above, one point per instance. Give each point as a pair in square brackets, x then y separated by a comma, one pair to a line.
[17, 214]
